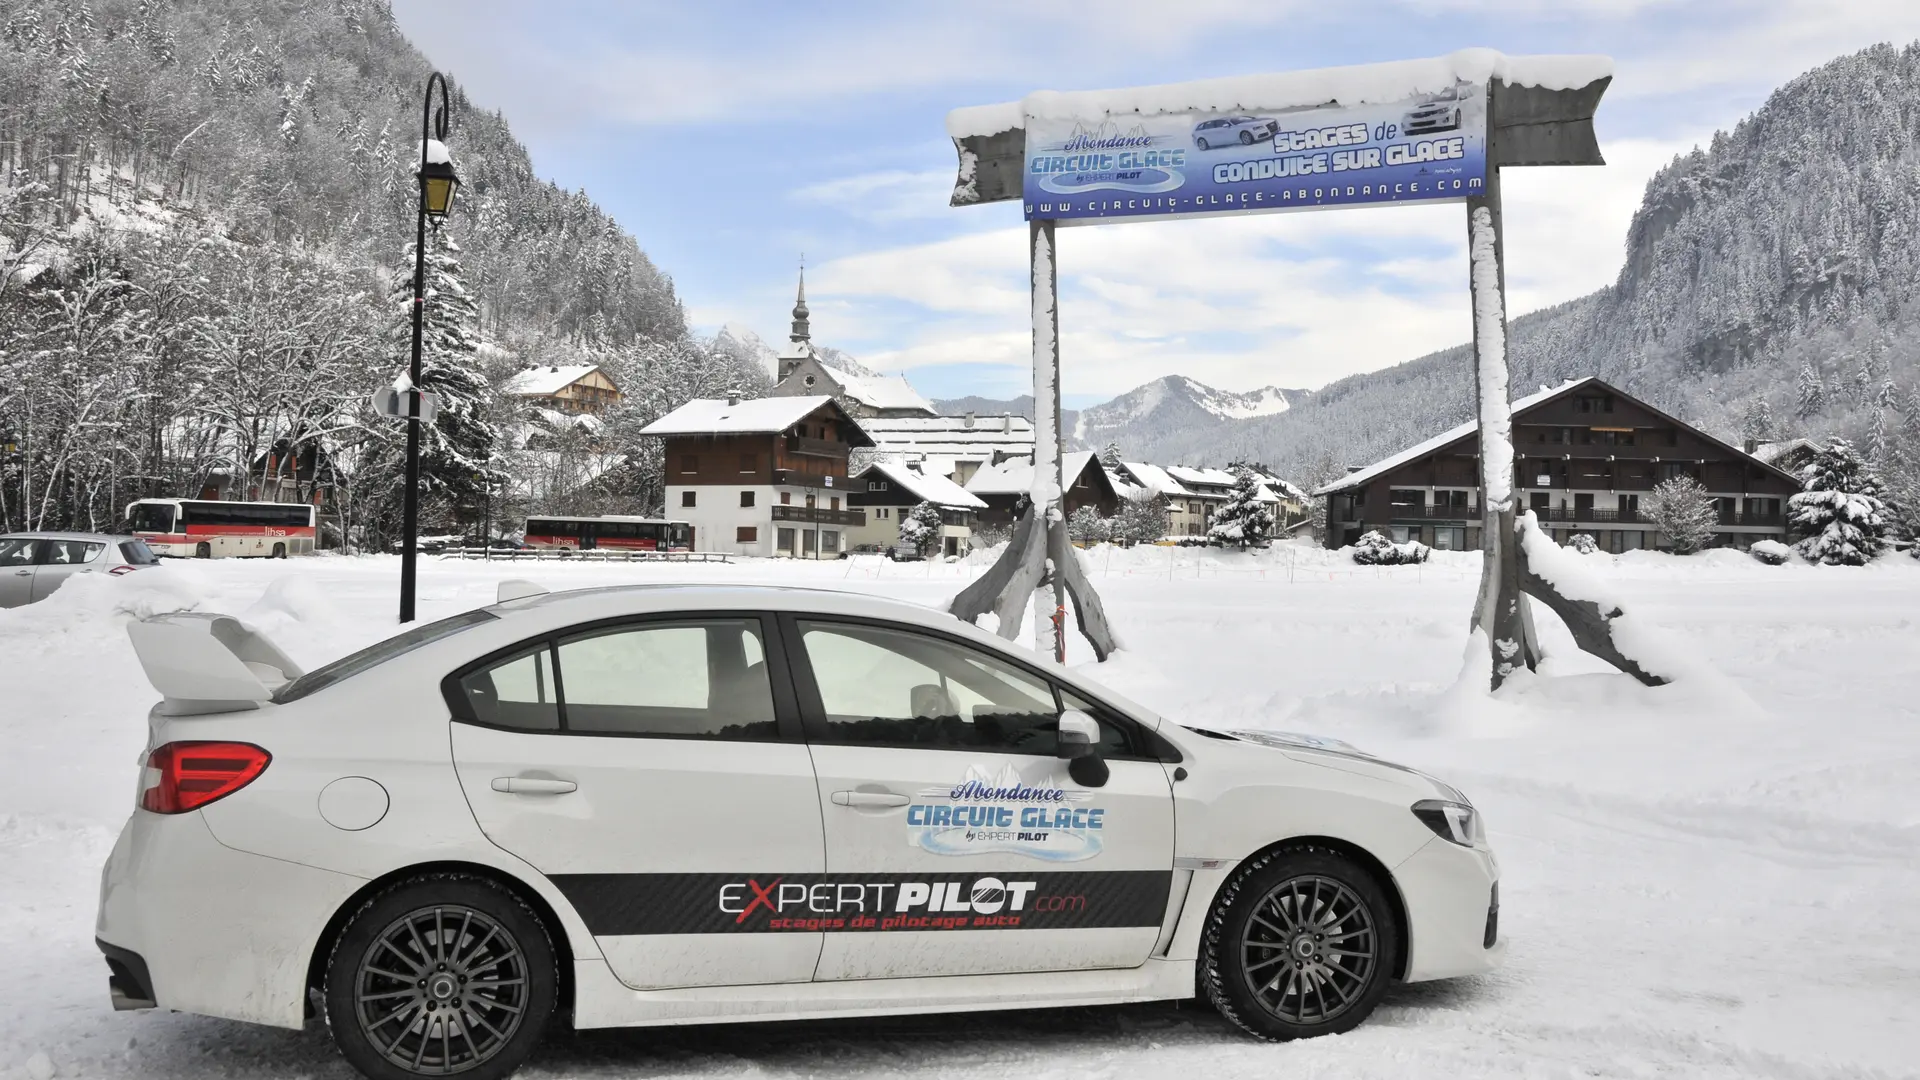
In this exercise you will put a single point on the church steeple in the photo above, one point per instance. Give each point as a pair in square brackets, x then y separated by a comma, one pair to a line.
[801, 332]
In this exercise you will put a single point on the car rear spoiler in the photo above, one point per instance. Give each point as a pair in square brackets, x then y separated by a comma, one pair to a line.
[205, 663]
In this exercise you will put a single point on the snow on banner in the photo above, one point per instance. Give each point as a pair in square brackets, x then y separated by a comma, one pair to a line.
[1426, 148]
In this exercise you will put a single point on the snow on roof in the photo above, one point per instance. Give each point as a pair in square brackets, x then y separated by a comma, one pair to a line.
[1360, 84]
[1772, 452]
[549, 380]
[1154, 479]
[1191, 477]
[882, 392]
[718, 416]
[1419, 450]
[1016, 477]
[937, 490]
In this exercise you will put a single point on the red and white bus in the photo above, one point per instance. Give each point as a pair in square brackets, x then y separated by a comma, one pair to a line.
[206, 529]
[612, 533]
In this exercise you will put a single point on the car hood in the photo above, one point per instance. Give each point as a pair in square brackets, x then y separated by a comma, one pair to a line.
[1335, 754]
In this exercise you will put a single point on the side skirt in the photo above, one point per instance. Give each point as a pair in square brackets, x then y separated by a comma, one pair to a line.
[601, 1001]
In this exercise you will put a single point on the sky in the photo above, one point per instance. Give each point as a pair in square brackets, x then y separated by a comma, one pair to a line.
[732, 138]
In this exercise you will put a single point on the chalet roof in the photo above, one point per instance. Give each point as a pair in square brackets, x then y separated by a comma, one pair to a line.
[881, 391]
[1016, 477]
[549, 380]
[1770, 452]
[1441, 441]
[1454, 434]
[1153, 479]
[1192, 478]
[753, 416]
[937, 490]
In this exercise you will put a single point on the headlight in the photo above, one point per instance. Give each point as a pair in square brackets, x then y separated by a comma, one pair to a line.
[1452, 821]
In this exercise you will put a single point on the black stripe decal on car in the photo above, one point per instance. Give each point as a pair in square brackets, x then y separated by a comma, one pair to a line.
[748, 903]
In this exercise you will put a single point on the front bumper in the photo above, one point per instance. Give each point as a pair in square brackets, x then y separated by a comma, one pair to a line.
[1451, 893]
[187, 923]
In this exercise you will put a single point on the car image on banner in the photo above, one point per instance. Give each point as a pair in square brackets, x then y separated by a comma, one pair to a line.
[675, 804]
[1428, 148]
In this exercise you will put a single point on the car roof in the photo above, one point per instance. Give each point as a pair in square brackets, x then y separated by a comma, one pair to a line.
[104, 538]
[607, 601]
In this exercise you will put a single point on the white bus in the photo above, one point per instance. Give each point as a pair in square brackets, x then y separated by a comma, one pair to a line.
[206, 529]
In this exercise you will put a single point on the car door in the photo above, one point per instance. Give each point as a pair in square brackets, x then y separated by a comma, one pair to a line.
[17, 557]
[655, 771]
[957, 842]
[60, 560]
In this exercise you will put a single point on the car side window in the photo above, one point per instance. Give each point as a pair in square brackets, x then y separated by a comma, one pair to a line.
[1115, 738]
[17, 551]
[705, 678]
[518, 692]
[70, 552]
[889, 687]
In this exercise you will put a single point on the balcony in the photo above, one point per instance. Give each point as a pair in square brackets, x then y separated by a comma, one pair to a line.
[1434, 512]
[819, 515]
[804, 479]
[800, 444]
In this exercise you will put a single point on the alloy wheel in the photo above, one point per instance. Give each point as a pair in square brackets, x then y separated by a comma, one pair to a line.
[1309, 949]
[441, 990]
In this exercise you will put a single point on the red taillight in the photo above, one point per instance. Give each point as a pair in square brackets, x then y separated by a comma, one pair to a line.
[186, 776]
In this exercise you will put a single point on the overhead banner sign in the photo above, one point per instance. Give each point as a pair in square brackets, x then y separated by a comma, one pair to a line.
[1428, 148]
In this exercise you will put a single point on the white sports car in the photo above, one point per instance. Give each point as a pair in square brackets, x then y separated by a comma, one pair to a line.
[681, 804]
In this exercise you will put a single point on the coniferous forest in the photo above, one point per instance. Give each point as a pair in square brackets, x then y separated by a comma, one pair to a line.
[206, 225]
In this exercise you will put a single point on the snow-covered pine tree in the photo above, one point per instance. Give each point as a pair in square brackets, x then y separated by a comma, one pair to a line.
[1840, 513]
[1110, 457]
[1757, 423]
[1144, 520]
[1812, 390]
[1685, 513]
[1086, 526]
[921, 528]
[1877, 445]
[1243, 519]
[456, 450]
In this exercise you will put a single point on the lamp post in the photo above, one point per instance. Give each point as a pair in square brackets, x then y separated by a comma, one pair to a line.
[437, 185]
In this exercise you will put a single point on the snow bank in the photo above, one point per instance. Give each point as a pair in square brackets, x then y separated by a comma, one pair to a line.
[111, 600]
[1361, 84]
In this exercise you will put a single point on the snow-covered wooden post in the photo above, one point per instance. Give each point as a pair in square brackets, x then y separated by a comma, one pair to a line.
[1040, 563]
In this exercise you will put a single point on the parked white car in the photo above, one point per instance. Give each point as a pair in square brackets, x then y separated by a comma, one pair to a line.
[680, 804]
[34, 564]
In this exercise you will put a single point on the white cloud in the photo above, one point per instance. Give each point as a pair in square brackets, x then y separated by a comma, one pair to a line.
[888, 195]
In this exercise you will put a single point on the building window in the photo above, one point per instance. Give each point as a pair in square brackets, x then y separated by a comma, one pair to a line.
[876, 485]
[749, 462]
[746, 534]
[829, 540]
[833, 503]
[880, 513]
[783, 540]
[689, 463]
[746, 499]
[1401, 533]
[786, 498]
[1450, 538]
[686, 498]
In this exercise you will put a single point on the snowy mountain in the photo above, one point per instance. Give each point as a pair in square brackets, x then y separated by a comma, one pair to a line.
[1768, 289]
[1145, 419]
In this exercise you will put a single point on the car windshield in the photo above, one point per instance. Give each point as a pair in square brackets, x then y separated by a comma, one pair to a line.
[374, 655]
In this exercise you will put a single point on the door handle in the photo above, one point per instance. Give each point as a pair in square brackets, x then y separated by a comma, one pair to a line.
[869, 798]
[21, 573]
[533, 785]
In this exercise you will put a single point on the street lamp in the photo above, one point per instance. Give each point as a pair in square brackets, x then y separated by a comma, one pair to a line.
[437, 185]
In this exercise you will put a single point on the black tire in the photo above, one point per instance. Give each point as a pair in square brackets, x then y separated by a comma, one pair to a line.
[1275, 916]
[279, 551]
[1246, 138]
[203, 550]
[513, 959]
[1202, 144]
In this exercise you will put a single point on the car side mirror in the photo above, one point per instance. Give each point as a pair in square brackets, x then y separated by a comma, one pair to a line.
[1078, 736]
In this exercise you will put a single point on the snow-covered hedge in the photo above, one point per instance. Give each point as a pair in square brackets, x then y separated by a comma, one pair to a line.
[1374, 549]
[1584, 543]
[1771, 552]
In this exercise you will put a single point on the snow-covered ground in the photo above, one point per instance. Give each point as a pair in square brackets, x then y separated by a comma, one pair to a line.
[1711, 879]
